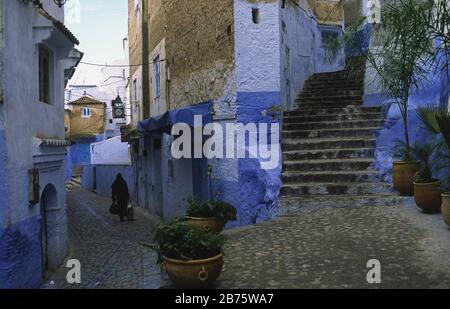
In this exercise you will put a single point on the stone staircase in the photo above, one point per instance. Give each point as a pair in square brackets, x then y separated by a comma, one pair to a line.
[328, 148]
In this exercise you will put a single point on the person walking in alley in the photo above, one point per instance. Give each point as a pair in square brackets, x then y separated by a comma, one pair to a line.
[120, 197]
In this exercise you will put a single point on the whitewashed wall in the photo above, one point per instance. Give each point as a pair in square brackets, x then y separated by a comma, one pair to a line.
[257, 47]
[111, 151]
[299, 33]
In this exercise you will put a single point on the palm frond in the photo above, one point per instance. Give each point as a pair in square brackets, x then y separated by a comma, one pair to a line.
[428, 116]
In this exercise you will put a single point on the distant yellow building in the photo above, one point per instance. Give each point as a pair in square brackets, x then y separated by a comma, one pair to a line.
[85, 118]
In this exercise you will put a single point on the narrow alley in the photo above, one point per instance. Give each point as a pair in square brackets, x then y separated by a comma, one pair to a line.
[326, 248]
[112, 254]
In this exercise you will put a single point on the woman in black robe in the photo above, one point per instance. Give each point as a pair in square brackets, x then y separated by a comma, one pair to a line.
[120, 196]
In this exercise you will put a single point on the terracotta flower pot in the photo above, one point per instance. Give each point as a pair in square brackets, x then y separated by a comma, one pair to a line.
[403, 174]
[428, 196]
[446, 207]
[212, 225]
[195, 273]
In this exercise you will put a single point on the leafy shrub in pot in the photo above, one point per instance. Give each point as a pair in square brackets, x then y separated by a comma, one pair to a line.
[404, 168]
[191, 258]
[210, 216]
[427, 189]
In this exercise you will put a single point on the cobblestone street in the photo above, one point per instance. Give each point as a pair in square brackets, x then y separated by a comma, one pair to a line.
[112, 254]
[328, 248]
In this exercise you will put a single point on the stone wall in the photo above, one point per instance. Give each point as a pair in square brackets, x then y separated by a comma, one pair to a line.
[327, 11]
[199, 48]
[91, 126]
[134, 35]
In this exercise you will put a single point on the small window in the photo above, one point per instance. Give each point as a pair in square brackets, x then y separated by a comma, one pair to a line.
[110, 121]
[157, 77]
[255, 16]
[44, 75]
[86, 112]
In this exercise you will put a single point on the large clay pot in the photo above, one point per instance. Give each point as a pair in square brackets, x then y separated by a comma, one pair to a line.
[403, 174]
[446, 207]
[193, 274]
[428, 196]
[212, 225]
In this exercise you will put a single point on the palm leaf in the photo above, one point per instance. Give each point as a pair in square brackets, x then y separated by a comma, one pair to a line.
[428, 115]
[443, 121]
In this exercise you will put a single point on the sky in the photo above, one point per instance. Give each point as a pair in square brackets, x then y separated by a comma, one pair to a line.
[100, 26]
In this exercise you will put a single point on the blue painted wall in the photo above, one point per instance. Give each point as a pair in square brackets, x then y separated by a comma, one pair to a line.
[20, 255]
[435, 92]
[79, 153]
[105, 176]
[255, 194]
[4, 207]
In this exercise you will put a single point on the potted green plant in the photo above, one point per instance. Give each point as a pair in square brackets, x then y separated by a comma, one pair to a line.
[436, 119]
[427, 189]
[404, 168]
[399, 63]
[191, 258]
[210, 216]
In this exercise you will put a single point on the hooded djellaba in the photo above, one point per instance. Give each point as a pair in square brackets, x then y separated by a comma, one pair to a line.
[120, 195]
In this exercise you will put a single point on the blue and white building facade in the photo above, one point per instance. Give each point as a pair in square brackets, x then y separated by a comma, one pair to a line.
[277, 47]
[37, 58]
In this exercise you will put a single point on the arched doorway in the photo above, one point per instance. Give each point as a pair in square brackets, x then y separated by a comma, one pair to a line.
[49, 202]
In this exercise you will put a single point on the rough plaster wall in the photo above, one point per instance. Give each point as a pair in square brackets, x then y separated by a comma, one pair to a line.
[105, 177]
[242, 182]
[199, 49]
[20, 247]
[327, 12]
[111, 151]
[177, 184]
[257, 46]
[134, 36]
[4, 208]
[302, 37]
[136, 98]
[2, 37]
[353, 10]
[87, 126]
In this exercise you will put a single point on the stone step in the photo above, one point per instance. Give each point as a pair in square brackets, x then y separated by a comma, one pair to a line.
[328, 154]
[329, 89]
[313, 93]
[311, 111]
[327, 143]
[341, 76]
[325, 105]
[307, 189]
[334, 82]
[335, 177]
[331, 118]
[334, 124]
[328, 99]
[358, 164]
[326, 133]
[290, 206]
